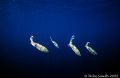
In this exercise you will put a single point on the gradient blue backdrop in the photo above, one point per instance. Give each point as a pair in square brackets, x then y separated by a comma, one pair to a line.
[96, 21]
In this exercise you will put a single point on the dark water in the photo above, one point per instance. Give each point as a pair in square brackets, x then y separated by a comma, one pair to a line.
[96, 21]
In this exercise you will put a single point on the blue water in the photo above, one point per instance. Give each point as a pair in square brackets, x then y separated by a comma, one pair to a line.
[96, 21]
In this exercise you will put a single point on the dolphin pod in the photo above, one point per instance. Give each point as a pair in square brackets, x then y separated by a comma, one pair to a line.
[71, 45]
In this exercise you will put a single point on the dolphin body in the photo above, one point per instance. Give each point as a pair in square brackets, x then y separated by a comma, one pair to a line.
[38, 46]
[73, 47]
[55, 43]
[90, 49]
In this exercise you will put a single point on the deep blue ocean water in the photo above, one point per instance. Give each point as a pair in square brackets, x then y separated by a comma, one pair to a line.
[96, 21]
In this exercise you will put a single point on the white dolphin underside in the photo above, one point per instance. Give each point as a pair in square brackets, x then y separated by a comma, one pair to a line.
[38, 46]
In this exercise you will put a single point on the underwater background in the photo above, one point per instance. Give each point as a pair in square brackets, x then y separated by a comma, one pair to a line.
[96, 21]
